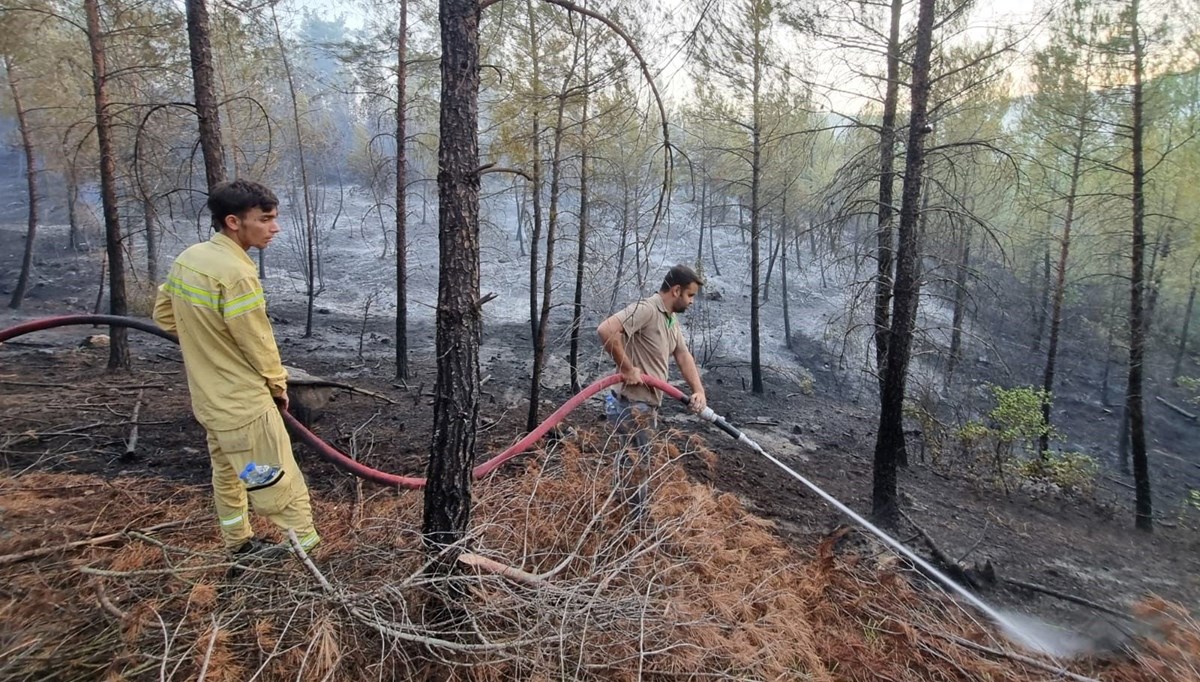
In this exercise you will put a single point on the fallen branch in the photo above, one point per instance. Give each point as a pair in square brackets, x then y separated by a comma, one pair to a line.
[394, 629]
[1175, 408]
[492, 566]
[34, 384]
[347, 387]
[106, 603]
[941, 558]
[1032, 587]
[98, 540]
[1120, 483]
[35, 436]
[131, 443]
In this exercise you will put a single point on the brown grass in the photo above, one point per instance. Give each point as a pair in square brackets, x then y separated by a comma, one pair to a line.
[702, 589]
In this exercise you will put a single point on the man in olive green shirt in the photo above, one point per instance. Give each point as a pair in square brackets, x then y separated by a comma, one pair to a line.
[641, 339]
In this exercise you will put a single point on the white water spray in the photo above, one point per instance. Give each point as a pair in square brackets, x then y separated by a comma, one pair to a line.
[1030, 633]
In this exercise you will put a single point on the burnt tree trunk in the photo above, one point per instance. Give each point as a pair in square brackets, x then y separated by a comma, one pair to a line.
[889, 444]
[756, 378]
[1043, 311]
[18, 294]
[543, 320]
[783, 263]
[581, 250]
[960, 301]
[1144, 517]
[612, 304]
[76, 232]
[1060, 289]
[1183, 335]
[310, 227]
[206, 100]
[118, 349]
[459, 327]
[401, 197]
[535, 183]
[884, 248]
[150, 217]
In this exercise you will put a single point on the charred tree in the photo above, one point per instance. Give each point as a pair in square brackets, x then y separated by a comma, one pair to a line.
[1183, 334]
[459, 327]
[18, 294]
[885, 249]
[1060, 287]
[889, 444]
[118, 349]
[1144, 516]
[535, 182]
[200, 48]
[961, 272]
[401, 196]
[756, 162]
[150, 218]
[581, 246]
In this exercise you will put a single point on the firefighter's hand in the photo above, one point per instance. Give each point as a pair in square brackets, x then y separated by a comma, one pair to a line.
[283, 401]
[698, 402]
[632, 376]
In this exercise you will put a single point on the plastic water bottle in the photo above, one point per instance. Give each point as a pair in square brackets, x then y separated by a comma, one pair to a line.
[611, 409]
[258, 474]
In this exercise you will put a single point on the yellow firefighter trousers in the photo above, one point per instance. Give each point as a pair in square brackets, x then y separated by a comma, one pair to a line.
[285, 503]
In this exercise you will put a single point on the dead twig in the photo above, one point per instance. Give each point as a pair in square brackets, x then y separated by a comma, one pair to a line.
[35, 384]
[492, 566]
[106, 603]
[941, 558]
[98, 540]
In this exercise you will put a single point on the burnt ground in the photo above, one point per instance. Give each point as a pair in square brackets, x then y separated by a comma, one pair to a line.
[63, 412]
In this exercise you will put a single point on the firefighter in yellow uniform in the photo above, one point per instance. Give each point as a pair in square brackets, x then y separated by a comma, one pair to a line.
[212, 299]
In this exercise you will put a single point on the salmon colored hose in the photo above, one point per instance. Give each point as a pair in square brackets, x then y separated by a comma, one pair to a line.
[327, 451]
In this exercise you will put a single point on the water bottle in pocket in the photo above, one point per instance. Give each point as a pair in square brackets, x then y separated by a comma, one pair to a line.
[259, 475]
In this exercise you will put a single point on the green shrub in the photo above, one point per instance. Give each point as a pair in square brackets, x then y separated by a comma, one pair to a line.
[1068, 470]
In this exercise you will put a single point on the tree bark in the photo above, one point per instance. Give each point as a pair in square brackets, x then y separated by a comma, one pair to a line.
[310, 228]
[889, 445]
[960, 301]
[401, 196]
[1060, 289]
[1043, 311]
[150, 217]
[1144, 516]
[581, 251]
[1183, 335]
[76, 234]
[885, 249]
[783, 265]
[539, 343]
[18, 294]
[536, 182]
[756, 379]
[206, 100]
[459, 327]
[118, 348]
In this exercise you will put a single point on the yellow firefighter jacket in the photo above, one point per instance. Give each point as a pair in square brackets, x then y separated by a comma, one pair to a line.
[213, 301]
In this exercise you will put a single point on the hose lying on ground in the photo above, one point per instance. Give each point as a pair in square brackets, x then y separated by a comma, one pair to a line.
[327, 451]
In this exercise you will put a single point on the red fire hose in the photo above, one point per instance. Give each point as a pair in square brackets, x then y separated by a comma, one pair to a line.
[327, 451]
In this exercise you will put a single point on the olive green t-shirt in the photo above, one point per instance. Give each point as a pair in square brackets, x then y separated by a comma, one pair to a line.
[651, 335]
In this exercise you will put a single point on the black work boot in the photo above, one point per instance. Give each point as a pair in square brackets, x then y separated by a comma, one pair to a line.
[257, 551]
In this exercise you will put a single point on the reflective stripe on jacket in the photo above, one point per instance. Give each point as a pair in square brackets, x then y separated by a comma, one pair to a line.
[213, 301]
